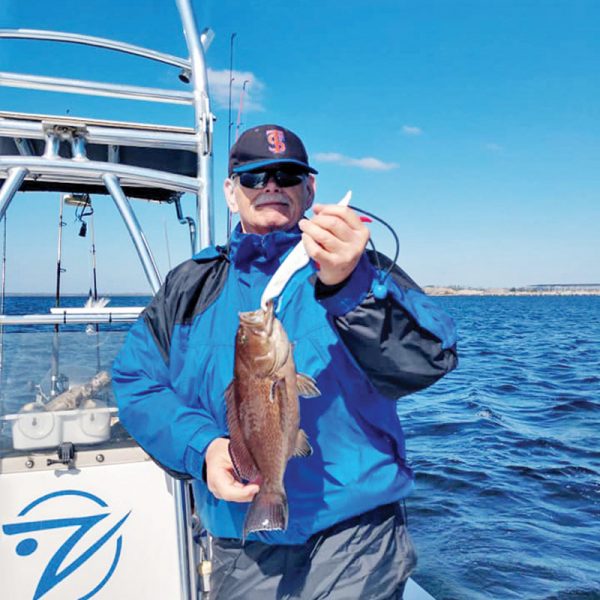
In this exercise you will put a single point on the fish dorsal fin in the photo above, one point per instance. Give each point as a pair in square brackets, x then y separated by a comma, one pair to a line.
[306, 386]
[303, 448]
[243, 464]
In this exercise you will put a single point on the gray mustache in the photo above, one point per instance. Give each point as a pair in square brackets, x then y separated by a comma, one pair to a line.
[269, 197]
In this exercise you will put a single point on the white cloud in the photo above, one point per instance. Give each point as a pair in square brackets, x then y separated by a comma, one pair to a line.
[219, 90]
[411, 130]
[368, 162]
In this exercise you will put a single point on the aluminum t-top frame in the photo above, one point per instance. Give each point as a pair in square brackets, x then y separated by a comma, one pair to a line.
[45, 152]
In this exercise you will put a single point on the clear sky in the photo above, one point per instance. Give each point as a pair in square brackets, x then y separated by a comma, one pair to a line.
[473, 127]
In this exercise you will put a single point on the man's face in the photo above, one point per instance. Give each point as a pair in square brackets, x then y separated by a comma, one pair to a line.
[272, 207]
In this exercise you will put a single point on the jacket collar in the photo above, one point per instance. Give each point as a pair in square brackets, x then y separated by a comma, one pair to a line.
[262, 251]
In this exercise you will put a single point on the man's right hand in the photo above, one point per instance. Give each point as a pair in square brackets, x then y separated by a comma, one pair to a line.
[220, 475]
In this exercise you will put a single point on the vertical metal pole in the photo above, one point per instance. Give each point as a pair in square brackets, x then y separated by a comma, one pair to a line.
[181, 496]
[2, 313]
[203, 126]
[135, 231]
[10, 187]
[205, 218]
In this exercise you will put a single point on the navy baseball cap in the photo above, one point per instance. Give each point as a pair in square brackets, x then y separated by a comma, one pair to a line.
[268, 145]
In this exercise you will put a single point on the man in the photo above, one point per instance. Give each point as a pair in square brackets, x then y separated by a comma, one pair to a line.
[346, 536]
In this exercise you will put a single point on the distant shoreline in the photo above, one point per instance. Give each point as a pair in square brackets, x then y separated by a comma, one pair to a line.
[74, 295]
[431, 290]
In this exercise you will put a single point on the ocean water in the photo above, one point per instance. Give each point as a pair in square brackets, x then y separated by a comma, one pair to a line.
[28, 352]
[506, 449]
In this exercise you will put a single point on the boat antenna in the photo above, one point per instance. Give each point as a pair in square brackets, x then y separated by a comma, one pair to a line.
[240, 110]
[229, 122]
[231, 78]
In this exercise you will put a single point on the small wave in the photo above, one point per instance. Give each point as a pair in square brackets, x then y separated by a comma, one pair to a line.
[573, 404]
[508, 388]
[577, 594]
[557, 447]
[546, 384]
[526, 471]
[568, 470]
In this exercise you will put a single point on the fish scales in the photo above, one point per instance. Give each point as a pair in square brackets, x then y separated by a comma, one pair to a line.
[263, 415]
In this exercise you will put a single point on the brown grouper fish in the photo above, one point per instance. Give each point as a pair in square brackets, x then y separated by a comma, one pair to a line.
[263, 415]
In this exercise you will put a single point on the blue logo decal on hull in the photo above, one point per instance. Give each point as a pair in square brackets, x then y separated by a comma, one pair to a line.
[56, 571]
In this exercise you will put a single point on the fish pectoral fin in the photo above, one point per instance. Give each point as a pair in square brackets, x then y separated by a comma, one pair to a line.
[278, 385]
[307, 386]
[303, 448]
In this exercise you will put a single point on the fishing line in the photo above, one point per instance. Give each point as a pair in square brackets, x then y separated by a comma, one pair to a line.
[372, 244]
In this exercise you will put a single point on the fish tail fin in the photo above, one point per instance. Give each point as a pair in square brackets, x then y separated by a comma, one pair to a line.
[268, 512]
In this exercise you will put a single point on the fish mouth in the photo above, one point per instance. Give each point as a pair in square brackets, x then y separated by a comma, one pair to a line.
[259, 321]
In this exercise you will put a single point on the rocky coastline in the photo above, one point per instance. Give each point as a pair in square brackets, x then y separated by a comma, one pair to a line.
[434, 290]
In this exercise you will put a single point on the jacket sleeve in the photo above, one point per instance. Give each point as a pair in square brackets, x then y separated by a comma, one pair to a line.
[398, 335]
[173, 430]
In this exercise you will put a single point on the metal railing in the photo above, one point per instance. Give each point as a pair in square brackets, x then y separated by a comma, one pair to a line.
[198, 140]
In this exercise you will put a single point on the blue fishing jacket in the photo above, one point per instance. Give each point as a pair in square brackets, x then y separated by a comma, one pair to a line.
[363, 349]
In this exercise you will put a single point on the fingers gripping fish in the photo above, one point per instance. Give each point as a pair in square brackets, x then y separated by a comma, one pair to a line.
[263, 414]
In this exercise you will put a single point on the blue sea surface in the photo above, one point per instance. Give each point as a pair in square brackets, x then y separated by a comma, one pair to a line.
[506, 451]
[29, 353]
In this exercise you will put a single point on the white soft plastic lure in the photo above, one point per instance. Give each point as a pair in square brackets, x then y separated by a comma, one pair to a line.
[293, 262]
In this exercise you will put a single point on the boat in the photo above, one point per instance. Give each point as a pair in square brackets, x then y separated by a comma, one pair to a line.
[84, 511]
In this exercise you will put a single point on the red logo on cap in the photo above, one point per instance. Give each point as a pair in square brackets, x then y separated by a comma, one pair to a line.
[276, 141]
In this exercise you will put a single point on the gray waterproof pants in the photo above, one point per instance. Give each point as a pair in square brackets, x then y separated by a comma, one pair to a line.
[368, 557]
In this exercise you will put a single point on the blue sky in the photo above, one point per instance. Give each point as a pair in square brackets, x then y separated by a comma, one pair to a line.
[472, 127]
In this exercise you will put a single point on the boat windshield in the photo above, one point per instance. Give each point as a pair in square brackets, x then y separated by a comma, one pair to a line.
[56, 388]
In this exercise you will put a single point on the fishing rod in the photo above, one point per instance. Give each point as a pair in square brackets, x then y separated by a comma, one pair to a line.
[59, 268]
[230, 123]
[240, 110]
[83, 208]
[54, 371]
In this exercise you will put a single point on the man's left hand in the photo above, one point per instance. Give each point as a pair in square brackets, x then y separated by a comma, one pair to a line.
[335, 238]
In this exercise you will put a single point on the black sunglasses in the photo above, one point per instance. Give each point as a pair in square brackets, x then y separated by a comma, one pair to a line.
[257, 180]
